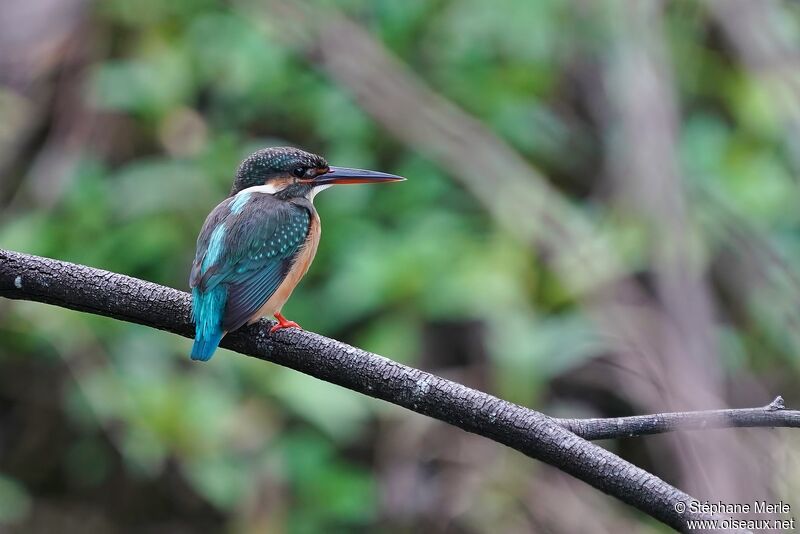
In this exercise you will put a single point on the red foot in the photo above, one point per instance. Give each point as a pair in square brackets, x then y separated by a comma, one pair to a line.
[283, 323]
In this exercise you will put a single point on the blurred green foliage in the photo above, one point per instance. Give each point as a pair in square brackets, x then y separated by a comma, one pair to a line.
[177, 93]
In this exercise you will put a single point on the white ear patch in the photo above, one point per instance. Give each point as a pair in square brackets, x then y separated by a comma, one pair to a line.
[311, 194]
[243, 197]
[269, 189]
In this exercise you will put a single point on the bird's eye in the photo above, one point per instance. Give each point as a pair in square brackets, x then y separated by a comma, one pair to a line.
[299, 172]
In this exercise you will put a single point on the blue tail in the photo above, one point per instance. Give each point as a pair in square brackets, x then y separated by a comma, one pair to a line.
[207, 309]
[205, 346]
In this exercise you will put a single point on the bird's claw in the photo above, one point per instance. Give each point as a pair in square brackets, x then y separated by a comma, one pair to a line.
[283, 323]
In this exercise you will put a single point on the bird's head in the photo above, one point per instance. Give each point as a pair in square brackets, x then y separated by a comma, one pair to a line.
[293, 173]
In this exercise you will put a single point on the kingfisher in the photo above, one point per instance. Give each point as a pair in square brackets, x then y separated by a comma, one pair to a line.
[257, 244]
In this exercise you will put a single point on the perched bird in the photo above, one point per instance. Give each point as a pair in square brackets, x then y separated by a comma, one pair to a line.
[257, 244]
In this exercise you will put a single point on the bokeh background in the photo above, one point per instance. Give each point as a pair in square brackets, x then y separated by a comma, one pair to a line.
[601, 219]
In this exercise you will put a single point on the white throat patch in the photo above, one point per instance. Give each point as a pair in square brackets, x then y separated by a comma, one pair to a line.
[311, 194]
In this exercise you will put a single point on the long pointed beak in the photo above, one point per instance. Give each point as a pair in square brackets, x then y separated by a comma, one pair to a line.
[344, 175]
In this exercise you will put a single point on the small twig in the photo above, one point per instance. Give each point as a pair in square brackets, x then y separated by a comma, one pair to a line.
[772, 415]
[776, 404]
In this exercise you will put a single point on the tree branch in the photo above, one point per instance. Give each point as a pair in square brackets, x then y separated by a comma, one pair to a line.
[121, 297]
[772, 415]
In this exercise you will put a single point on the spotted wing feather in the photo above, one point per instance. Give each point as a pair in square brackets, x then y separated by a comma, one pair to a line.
[259, 248]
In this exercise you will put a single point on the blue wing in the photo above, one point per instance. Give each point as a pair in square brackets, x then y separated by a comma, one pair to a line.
[244, 252]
